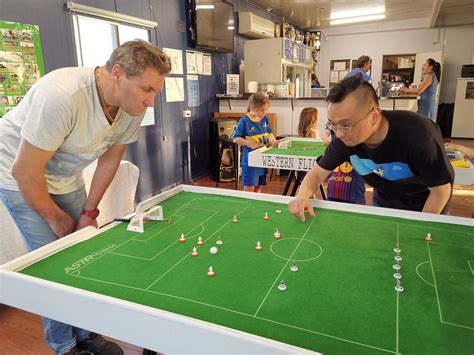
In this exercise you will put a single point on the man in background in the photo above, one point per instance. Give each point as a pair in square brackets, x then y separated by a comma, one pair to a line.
[363, 65]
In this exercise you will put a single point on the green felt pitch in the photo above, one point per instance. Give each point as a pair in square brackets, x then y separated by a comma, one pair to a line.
[300, 148]
[341, 300]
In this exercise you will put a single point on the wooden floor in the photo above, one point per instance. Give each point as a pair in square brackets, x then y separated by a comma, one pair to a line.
[21, 332]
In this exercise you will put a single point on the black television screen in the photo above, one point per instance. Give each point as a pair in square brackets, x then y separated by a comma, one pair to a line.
[214, 25]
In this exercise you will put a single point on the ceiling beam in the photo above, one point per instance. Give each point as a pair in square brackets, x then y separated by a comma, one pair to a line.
[435, 12]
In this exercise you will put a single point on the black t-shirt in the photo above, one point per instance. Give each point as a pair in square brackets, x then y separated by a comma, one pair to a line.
[409, 160]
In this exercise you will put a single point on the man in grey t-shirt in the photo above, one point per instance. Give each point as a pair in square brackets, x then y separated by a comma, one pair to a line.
[68, 119]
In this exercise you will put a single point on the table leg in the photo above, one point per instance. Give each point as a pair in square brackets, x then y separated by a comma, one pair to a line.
[291, 175]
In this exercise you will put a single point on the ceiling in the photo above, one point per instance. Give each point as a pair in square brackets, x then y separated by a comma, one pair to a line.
[314, 14]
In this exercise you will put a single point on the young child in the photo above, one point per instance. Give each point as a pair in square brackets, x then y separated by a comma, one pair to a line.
[308, 121]
[306, 129]
[252, 132]
[344, 183]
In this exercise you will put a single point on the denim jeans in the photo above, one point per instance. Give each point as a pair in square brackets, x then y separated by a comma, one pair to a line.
[37, 233]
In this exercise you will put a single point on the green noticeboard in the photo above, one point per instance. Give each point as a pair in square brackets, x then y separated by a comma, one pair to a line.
[21, 62]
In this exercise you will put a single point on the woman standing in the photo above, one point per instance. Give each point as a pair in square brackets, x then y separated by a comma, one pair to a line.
[427, 106]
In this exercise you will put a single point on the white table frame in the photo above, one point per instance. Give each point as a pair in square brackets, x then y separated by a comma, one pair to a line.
[145, 326]
[259, 158]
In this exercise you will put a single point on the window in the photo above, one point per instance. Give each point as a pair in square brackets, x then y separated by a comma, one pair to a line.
[96, 39]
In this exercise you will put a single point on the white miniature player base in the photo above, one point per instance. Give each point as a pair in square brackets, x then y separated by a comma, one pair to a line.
[397, 275]
[399, 288]
[398, 258]
[136, 223]
[397, 250]
[277, 234]
[294, 267]
[282, 286]
[219, 241]
[397, 266]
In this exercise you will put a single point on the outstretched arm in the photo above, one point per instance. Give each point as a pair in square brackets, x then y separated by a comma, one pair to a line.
[107, 166]
[310, 184]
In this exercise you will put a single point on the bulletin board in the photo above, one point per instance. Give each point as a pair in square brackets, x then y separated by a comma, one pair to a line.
[21, 62]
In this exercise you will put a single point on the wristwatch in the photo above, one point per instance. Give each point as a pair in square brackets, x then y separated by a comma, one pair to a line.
[91, 213]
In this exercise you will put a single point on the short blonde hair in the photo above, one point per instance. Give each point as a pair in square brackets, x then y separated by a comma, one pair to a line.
[136, 56]
[257, 100]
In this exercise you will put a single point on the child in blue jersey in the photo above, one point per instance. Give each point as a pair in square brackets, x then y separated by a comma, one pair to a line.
[252, 132]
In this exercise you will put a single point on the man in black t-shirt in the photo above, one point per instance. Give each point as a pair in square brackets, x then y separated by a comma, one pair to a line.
[399, 153]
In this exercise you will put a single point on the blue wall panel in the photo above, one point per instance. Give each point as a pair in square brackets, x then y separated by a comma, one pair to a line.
[184, 154]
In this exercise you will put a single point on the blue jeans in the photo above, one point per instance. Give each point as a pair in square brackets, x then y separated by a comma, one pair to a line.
[37, 233]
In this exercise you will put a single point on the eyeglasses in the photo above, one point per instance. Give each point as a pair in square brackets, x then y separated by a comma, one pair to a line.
[347, 127]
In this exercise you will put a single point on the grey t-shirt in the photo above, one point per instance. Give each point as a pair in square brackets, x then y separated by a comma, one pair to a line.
[61, 113]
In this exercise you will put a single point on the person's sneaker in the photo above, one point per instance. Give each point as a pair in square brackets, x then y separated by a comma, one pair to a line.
[97, 345]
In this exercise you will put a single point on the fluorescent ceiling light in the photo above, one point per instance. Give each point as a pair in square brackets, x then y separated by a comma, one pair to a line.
[230, 27]
[357, 19]
[204, 7]
[360, 11]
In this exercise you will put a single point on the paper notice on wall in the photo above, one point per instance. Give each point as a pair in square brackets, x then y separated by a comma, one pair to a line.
[176, 56]
[193, 90]
[334, 76]
[199, 62]
[207, 64]
[174, 89]
[191, 65]
[340, 66]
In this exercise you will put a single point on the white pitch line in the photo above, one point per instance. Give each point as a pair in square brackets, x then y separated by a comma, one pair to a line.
[158, 232]
[419, 275]
[470, 267]
[458, 325]
[453, 245]
[434, 282]
[284, 267]
[238, 312]
[401, 223]
[398, 301]
[437, 296]
[187, 255]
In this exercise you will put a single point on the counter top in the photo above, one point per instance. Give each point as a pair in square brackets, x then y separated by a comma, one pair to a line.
[246, 96]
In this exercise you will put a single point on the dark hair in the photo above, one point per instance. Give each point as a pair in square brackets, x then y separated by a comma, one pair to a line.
[307, 117]
[363, 60]
[257, 100]
[436, 67]
[315, 78]
[353, 84]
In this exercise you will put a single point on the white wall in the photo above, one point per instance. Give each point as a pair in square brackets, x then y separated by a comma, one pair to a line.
[458, 50]
[402, 37]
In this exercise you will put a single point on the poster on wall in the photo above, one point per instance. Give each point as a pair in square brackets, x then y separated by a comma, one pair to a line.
[21, 62]
[193, 90]
[176, 56]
